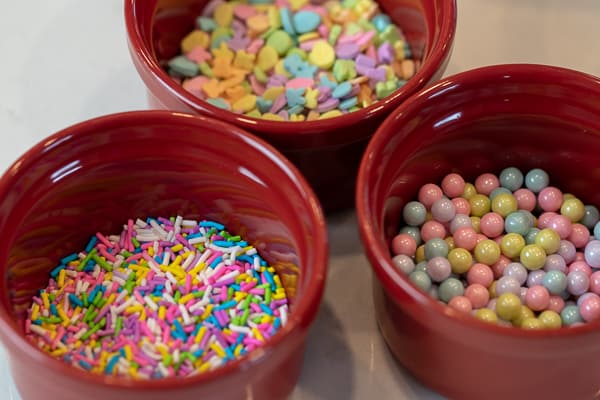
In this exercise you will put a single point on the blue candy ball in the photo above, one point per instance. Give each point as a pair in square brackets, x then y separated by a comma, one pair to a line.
[536, 180]
[511, 178]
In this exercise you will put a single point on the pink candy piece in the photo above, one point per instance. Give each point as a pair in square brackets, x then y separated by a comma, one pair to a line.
[432, 230]
[537, 298]
[278, 104]
[199, 55]
[244, 11]
[429, 194]
[465, 238]
[371, 52]
[195, 84]
[481, 274]
[491, 224]
[405, 244]
[309, 44]
[561, 224]
[478, 295]
[525, 199]
[255, 46]
[590, 308]
[347, 51]
[453, 185]
[299, 83]
[550, 198]
[461, 303]
[486, 183]
[365, 39]
[349, 38]
[257, 87]
[461, 205]
[580, 235]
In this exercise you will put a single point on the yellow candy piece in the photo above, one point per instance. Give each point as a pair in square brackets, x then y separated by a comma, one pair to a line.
[254, 113]
[399, 50]
[267, 58]
[308, 36]
[273, 92]
[280, 69]
[235, 93]
[244, 60]
[223, 14]
[450, 242]
[212, 88]
[297, 4]
[568, 196]
[223, 52]
[312, 116]
[236, 79]
[331, 114]
[194, 39]
[311, 98]
[274, 17]
[322, 55]
[420, 253]
[297, 117]
[476, 222]
[258, 23]
[480, 205]
[492, 290]
[272, 117]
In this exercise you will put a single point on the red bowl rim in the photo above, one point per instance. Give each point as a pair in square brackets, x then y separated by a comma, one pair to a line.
[435, 60]
[394, 282]
[304, 311]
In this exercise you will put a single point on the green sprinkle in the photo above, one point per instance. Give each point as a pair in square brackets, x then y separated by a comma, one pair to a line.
[106, 266]
[135, 243]
[84, 299]
[177, 296]
[118, 325]
[97, 298]
[245, 316]
[268, 295]
[85, 260]
[168, 360]
[102, 302]
[125, 252]
[230, 292]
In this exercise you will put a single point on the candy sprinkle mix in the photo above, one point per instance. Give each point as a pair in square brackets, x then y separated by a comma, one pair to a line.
[164, 298]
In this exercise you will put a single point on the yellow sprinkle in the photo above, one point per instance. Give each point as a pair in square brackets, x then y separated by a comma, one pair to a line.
[162, 312]
[133, 372]
[59, 352]
[200, 335]
[111, 298]
[35, 310]
[331, 114]
[177, 260]
[207, 312]
[177, 247]
[265, 319]
[45, 300]
[308, 36]
[277, 281]
[93, 343]
[279, 296]
[272, 117]
[220, 352]
[197, 269]
[150, 251]
[133, 309]
[258, 335]
[128, 353]
[61, 278]
[204, 367]
[63, 316]
[187, 254]
[239, 296]
[186, 298]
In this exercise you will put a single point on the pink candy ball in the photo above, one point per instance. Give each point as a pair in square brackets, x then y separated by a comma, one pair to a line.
[443, 210]
[478, 295]
[432, 230]
[486, 183]
[429, 194]
[590, 308]
[461, 303]
[537, 298]
[544, 219]
[580, 235]
[556, 304]
[405, 244]
[481, 274]
[481, 237]
[595, 282]
[465, 238]
[579, 256]
[580, 266]
[491, 224]
[499, 266]
[453, 185]
[561, 224]
[526, 199]
[461, 205]
[550, 198]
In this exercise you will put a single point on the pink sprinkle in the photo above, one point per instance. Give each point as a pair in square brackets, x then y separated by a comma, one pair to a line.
[134, 257]
[282, 3]
[130, 231]
[107, 255]
[257, 291]
[247, 286]
[255, 308]
[138, 296]
[103, 239]
[188, 283]
[122, 239]
[146, 330]
[182, 240]
[213, 257]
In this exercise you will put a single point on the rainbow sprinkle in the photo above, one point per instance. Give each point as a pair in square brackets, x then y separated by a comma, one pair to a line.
[166, 297]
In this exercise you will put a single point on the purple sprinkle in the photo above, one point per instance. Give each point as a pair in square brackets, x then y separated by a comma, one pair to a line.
[220, 338]
[278, 104]
[385, 53]
[225, 282]
[328, 105]
[347, 51]
[366, 61]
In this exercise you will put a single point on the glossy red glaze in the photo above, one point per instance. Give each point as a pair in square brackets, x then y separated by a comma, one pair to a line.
[328, 151]
[481, 121]
[95, 175]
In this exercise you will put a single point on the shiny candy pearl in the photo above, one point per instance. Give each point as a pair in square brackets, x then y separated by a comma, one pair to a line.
[561, 224]
[554, 262]
[450, 242]
[508, 306]
[537, 298]
[550, 319]
[550, 198]
[436, 248]
[500, 266]
[421, 266]
[591, 216]
[461, 205]
[523, 294]
[584, 296]
[517, 222]
[531, 234]
[487, 252]
[526, 199]
[450, 288]
[556, 304]
[580, 235]
[429, 194]
[453, 185]
[413, 231]
[549, 240]
[491, 225]
[421, 280]
[580, 266]
[443, 210]
[511, 178]
[469, 191]
[481, 274]
[516, 271]
[597, 231]
[492, 304]
[460, 221]
[577, 283]
[511, 244]
[544, 219]
[476, 224]
[404, 244]
[567, 251]
[570, 315]
[536, 180]
[497, 191]
[590, 308]
[438, 269]
[486, 315]
[486, 183]
[465, 238]
[592, 253]
[524, 314]
[414, 213]
[480, 205]
[431, 230]
[460, 260]
[404, 263]
[420, 254]
[595, 282]
[532, 323]
[504, 204]
[535, 278]
[461, 303]
[507, 284]
[478, 295]
[532, 257]
[573, 209]
[555, 282]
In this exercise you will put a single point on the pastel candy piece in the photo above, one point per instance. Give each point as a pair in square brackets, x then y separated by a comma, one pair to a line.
[223, 52]
[276, 80]
[238, 43]
[274, 18]
[223, 14]
[306, 21]
[311, 98]
[267, 58]
[210, 7]
[245, 104]
[263, 105]
[344, 70]
[324, 93]
[293, 63]
[257, 88]
[384, 89]
[341, 90]
[298, 83]
[254, 113]
[199, 55]
[366, 61]
[297, 4]
[334, 34]
[278, 104]
[194, 39]
[385, 53]
[308, 36]
[273, 92]
[297, 109]
[381, 21]
[324, 81]
[286, 20]
[363, 69]
[328, 105]
[205, 69]
[345, 38]
[322, 55]
[284, 114]
[330, 114]
[212, 88]
[195, 84]
[365, 39]
[244, 60]
[297, 117]
[206, 24]
[308, 45]
[306, 71]
[260, 75]
[295, 97]
[255, 46]
[272, 117]
[347, 51]
[323, 31]
[280, 69]
[408, 69]
[371, 52]
[377, 74]
[218, 36]
[258, 23]
[281, 41]
[312, 115]
[219, 102]
[348, 103]
[183, 66]
[243, 11]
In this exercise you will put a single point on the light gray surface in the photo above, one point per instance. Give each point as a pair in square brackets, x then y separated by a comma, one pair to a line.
[64, 61]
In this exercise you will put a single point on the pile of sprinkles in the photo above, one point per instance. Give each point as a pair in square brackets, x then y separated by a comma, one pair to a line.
[165, 298]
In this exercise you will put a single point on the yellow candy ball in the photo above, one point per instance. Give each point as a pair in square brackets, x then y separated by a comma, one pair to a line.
[450, 242]
[469, 191]
[492, 290]
[533, 257]
[420, 254]
[512, 244]
[508, 306]
[504, 204]
[486, 315]
[532, 323]
[573, 209]
[476, 221]
[480, 205]
[567, 196]
[487, 252]
[550, 319]
[524, 314]
[549, 240]
[460, 260]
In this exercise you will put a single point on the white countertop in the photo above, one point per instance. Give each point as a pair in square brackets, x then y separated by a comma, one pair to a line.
[65, 61]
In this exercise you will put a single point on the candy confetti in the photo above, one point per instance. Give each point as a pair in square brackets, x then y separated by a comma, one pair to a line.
[164, 298]
[291, 60]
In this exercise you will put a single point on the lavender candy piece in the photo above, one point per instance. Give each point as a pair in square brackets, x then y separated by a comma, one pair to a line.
[328, 105]
[385, 53]
[347, 51]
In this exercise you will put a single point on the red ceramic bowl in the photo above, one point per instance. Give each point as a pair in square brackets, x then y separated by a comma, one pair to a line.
[481, 121]
[95, 175]
[328, 151]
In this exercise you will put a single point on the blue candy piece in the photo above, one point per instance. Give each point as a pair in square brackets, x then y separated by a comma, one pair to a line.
[297, 109]
[306, 21]
[324, 81]
[218, 102]
[263, 105]
[293, 63]
[381, 21]
[295, 97]
[286, 20]
[206, 24]
[348, 103]
[341, 90]
[306, 71]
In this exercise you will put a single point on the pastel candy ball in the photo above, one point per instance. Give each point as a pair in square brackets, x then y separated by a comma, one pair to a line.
[536, 180]
[504, 204]
[577, 283]
[431, 230]
[461, 205]
[592, 253]
[573, 209]
[486, 183]
[436, 248]
[478, 295]
[498, 191]
[525, 313]
[449, 289]
[414, 232]
[443, 210]
[486, 315]
[555, 262]
[595, 282]
[414, 213]
[460, 221]
[480, 205]
[570, 315]
[461, 303]
[550, 198]
[531, 235]
[404, 263]
[532, 323]
[460, 260]
[597, 230]
[535, 278]
[508, 306]
[469, 191]
[511, 178]
[550, 319]
[567, 251]
[421, 280]
[590, 309]
[438, 269]
[580, 235]
[555, 282]
[537, 298]
[591, 216]
[487, 252]
[556, 304]
[516, 271]
[511, 244]
[429, 194]
[525, 199]
[481, 274]
[491, 224]
[549, 240]
[404, 244]
[507, 284]
[453, 185]
[532, 257]
[543, 221]
[517, 222]
[465, 237]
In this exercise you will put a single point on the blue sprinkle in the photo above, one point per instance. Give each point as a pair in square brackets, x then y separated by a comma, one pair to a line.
[216, 261]
[57, 270]
[198, 353]
[226, 305]
[235, 287]
[37, 322]
[240, 338]
[178, 326]
[276, 323]
[381, 21]
[212, 224]
[223, 243]
[75, 300]
[341, 90]
[122, 352]
[269, 278]
[158, 259]
[245, 258]
[85, 365]
[69, 258]
[91, 244]
[286, 20]
[266, 309]
[242, 243]
[111, 364]
[348, 103]
[194, 235]
[137, 250]
[229, 353]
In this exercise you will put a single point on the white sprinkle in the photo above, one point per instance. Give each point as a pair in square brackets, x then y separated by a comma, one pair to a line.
[251, 325]
[45, 313]
[170, 236]
[215, 362]
[38, 329]
[163, 370]
[169, 298]
[256, 261]
[85, 286]
[127, 303]
[168, 287]
[71, 273]
[188, 261]
[240, 329]
[197, 240]
[115, 238]
[78, 288]
[184, 314]
[171, 278]
[150, 302]
[178, 222]
[79, 334]
[229, 275]
[166, 258]
[120, 281]
[155, 247]
[119, 261]
[141, 223]
[204, 256]
[189, 223]
[234, 252]
[283, 314]
[176, 356]
[75, 318]
[251, 251]
[158, 229]
[121, 296]
[113, 316]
